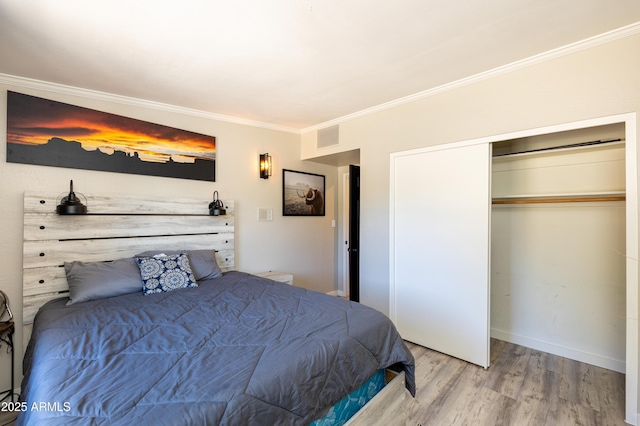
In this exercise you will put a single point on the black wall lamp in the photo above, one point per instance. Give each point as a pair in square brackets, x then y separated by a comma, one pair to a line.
[216, 208]
[265, 166]
[71, 204]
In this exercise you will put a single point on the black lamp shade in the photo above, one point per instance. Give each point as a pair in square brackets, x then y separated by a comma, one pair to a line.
[216, 208]
[71, 204]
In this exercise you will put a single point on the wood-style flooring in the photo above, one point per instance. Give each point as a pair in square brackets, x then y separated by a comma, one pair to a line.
[523, 386]
[7, 418]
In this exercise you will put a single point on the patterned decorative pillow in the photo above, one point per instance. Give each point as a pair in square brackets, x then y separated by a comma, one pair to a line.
[163, 273]
[203, 262]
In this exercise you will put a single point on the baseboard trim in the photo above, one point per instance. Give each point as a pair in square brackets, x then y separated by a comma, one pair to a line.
[563, 351]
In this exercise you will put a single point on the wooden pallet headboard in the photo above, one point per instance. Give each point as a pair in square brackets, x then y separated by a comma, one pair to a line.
[115, 227]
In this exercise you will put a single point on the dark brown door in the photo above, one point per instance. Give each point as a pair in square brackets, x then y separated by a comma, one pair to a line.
[354, 233]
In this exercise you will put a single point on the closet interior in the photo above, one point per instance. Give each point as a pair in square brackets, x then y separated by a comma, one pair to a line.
[558, 244]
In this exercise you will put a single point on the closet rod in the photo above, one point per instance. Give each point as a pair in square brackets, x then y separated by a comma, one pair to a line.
[559, 200]
[572, 145]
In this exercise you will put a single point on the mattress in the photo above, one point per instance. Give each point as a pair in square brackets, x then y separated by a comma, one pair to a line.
[239, 349]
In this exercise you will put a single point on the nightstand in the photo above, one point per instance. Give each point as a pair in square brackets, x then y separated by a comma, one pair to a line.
[6, 336]
[282, 277]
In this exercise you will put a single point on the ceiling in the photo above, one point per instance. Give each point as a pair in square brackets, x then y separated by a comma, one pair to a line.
[292, 64]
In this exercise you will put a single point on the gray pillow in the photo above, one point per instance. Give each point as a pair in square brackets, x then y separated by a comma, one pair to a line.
[99, 280]
[203, 262]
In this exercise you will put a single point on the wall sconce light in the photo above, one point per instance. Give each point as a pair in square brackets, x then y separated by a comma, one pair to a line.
[71, 204]
[265, 166]
[216, 208]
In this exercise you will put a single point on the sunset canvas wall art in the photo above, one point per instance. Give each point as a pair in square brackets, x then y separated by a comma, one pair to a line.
[51, 133]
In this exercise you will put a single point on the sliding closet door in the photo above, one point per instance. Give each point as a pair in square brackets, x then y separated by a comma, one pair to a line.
[440, 218]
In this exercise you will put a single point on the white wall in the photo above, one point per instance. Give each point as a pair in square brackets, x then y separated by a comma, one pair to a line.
[303, 246]
[595, 82]
[599, 81]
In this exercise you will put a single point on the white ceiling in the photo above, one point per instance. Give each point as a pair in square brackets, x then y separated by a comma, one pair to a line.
[289, 63]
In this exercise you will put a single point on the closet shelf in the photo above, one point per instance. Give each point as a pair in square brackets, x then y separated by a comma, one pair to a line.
[561, 198]
[562, 148]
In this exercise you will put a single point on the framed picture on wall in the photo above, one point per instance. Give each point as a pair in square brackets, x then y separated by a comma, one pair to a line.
[50, 133]
[302, 194]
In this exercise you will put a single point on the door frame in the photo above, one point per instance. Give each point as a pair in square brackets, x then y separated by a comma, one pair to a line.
[343, 286]
[632, 247]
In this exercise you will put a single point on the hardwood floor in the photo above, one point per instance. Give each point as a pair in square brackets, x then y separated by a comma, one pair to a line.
[523, 386]
[7, 419]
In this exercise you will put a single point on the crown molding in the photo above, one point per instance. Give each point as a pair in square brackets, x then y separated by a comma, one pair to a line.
[124, 100]
[588, 43]
[568, 49]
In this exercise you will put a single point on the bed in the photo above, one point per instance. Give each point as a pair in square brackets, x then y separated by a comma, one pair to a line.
[235, 349]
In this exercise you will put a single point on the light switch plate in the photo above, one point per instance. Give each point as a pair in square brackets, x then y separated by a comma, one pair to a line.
[264, 214]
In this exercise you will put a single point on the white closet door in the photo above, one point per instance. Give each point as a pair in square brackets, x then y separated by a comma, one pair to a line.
[440, 221]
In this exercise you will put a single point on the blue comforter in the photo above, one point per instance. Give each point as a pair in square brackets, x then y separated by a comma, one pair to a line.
[236, 350]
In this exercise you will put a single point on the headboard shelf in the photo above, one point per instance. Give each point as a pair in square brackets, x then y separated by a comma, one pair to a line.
[116, 227]
[38, 202]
